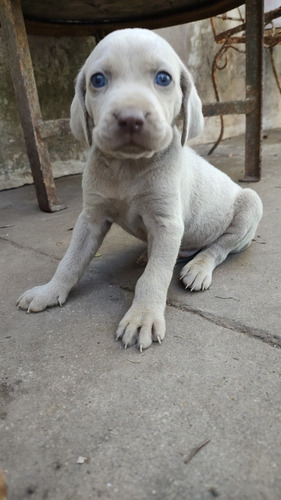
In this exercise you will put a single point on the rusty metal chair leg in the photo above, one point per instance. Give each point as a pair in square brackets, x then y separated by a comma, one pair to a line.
[13, 26]
[254, 89]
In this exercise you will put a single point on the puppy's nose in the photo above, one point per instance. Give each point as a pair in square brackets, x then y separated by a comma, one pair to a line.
[130, 120]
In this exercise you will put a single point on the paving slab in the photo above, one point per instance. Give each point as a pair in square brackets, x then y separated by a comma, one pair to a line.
[198, 417]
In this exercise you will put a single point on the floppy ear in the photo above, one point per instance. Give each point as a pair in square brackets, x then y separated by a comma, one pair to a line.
[81, 123]
[191, 108]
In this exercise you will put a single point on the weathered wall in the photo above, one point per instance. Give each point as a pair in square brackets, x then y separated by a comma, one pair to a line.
[56, 63]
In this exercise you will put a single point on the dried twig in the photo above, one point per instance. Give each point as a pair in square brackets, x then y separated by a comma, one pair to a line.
[195, 450]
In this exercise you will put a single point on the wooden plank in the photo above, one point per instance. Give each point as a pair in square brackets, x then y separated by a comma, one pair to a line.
[28, 104]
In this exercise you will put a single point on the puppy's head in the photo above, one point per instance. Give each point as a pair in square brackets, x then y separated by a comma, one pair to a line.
[131, 92]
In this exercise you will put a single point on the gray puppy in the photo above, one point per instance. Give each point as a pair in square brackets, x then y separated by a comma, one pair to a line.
[135, 105]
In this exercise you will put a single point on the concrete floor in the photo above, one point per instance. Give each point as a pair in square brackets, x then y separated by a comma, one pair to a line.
[136, 422]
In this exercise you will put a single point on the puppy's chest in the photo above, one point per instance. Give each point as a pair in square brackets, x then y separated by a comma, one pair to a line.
[126, 212]
[121, 192]
[120, 201]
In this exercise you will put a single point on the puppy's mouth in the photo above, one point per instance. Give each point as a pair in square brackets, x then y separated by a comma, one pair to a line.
[131, 149]
[131, 135]
[121, 146]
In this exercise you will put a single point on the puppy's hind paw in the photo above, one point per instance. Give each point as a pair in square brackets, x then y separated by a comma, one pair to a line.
[143, 258]
[196, 275]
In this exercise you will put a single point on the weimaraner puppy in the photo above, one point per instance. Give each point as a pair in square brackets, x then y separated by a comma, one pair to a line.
[135, 105]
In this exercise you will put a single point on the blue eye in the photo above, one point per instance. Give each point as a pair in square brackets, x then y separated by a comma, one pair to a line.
[98, 80]
[163, 78]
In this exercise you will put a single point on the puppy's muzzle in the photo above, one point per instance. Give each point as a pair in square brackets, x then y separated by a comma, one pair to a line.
[133, 130]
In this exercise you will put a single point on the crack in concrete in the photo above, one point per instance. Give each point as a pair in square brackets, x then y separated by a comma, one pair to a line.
[230, 324]
[36, 252]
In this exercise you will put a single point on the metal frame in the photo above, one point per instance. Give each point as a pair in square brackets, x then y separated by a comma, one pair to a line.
[36, 130]
[232, 39]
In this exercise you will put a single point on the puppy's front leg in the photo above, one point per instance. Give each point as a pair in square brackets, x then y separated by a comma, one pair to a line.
[86, 239]
[144, 322]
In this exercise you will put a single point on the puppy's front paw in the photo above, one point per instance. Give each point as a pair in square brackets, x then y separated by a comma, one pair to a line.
[40, 297]
[141, 325]
[197, 274]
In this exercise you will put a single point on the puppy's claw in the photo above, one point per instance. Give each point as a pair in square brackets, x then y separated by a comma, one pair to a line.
[118, 335]
[159, 340]
[140, 348]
